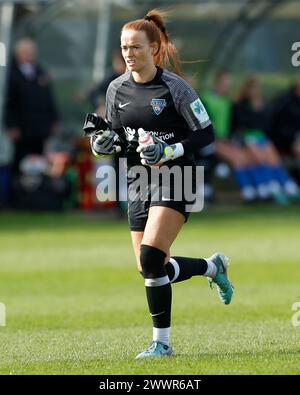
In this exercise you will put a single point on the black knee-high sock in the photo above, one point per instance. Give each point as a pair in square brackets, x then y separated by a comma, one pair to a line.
[159, 302]
[185, 268]
[157, 284]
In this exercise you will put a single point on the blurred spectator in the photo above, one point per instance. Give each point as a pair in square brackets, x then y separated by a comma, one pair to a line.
[36, 189]
[251, 120]
[205, 157]
[5, 170]
[96, 96]
[219, 107]
[30, 113]
[60, 154]
[285, 129]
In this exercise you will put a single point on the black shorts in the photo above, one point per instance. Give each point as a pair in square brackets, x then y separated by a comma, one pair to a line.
[174, 190]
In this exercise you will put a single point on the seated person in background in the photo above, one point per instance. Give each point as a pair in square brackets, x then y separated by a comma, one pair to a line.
[219, 108]
[250, 121]
[34, 188]
[59, 151]
[285, 127]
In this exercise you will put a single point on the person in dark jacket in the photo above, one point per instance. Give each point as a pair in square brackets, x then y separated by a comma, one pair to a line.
[285, 130]
[30, 113]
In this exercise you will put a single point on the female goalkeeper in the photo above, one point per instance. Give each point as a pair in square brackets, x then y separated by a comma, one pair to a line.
[151, 98]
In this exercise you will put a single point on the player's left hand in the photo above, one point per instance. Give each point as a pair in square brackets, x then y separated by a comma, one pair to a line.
[155, 154]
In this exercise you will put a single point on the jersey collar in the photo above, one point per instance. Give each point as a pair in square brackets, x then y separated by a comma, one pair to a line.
[155, 79]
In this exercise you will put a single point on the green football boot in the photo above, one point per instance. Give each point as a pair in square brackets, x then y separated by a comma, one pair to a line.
[224, 286]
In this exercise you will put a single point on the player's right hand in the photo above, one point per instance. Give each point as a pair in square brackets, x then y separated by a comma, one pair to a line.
[103, 140]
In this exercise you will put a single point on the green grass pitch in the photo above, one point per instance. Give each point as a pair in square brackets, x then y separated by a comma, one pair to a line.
[75, 303]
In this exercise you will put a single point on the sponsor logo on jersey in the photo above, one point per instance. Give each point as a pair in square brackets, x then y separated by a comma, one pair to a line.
[199, 111]
[158, 105]
[131, 134]
[163, 136]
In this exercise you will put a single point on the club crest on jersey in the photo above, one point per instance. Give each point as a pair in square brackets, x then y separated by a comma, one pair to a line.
[158, 105]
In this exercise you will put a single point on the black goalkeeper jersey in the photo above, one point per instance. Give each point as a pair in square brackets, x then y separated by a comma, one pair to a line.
[167, 107]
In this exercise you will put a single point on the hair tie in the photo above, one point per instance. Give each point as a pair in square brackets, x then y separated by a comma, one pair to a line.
[149, 19]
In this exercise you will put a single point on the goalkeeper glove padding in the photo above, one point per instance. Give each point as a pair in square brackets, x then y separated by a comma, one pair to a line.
[159, 152]
[103, 140]
[105, 143]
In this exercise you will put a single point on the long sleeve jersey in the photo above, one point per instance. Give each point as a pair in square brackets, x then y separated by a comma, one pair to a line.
[167, 107]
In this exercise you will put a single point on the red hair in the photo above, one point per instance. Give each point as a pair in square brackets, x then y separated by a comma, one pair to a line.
[154, 25]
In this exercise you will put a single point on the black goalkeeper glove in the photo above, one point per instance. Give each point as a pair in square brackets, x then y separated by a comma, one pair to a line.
[159, 152]
[103, 140]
